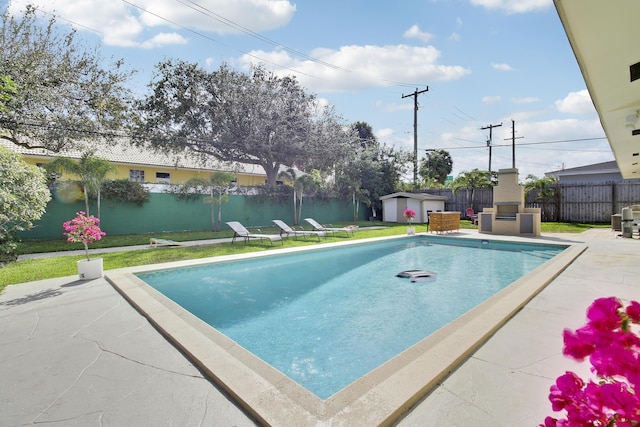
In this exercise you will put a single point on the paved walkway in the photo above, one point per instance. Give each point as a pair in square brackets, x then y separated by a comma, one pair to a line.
[76, 353]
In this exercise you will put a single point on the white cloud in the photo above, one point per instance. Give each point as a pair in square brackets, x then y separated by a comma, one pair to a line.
[383, 133]
[164, 39]
[491, 99]
[514, 6]
[392, 107]
[455, 37]
[576, 103]
[359, 67]
[124, 25]
[210, 63]
[502, 67]
[415, 33]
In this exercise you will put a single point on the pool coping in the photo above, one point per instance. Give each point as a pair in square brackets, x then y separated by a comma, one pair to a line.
[378, 398]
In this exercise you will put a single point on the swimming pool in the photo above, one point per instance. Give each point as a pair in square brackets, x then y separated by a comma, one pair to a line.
[376, 398]
[326, 318]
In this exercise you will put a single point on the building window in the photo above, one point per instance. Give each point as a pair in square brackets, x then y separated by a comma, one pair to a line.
[163, 177]
[136, 175]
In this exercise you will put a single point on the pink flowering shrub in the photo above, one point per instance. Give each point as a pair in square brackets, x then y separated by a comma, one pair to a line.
[409, 214]
[83, 229]
[613, 348]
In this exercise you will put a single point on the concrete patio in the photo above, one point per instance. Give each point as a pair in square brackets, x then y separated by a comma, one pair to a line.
[76, 353]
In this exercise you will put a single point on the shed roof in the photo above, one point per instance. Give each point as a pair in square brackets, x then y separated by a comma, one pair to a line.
[604, 167]
[418, 196]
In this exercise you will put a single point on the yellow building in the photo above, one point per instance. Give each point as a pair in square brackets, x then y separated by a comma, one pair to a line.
[137, 164]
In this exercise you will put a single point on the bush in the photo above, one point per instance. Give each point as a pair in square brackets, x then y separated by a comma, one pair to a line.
[123, 190]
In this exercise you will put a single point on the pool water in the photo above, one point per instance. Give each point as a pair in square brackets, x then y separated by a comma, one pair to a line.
[327, 317]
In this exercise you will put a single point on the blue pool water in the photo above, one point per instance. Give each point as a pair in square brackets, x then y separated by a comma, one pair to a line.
[327, 317]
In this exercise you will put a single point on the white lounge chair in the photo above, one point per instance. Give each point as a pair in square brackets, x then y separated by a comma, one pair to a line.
[319, 227]
[239, 230]
[286, 230]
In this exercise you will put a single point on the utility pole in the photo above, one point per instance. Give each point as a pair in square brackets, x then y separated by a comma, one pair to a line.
[490, 127]
[513, 143]
[415, 133]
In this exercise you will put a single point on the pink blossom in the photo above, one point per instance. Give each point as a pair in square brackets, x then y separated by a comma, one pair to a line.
[578, 344]
[409, 214]
[614, 353]
[603, 314]
[633, 311]
[84, 229]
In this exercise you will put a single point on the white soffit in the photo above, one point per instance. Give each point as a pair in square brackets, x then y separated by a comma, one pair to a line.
[605, 37]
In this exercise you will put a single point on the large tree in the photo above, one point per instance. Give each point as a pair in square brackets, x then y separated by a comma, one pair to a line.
[259, 119]
[64, 95]
[436, 166]
[370, 170]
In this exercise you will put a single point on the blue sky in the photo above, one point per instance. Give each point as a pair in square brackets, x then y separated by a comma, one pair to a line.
[484, 62]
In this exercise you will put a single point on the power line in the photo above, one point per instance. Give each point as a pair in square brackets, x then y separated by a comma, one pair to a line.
[527, 143]
[207, 12]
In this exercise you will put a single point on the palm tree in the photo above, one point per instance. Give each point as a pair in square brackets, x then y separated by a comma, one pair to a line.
[91, 171]
[546, 188]
[217, 186]
[471, 180]
[294, 175]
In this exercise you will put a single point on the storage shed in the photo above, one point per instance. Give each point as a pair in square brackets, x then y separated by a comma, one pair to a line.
[394, 205]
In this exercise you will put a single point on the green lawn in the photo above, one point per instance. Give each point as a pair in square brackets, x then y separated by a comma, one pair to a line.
[65, 265]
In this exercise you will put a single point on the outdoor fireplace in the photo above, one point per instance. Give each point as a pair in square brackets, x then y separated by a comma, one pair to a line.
[509, 216]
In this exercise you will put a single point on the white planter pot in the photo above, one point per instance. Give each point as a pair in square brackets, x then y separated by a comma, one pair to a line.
[411, 231]
[90, 269]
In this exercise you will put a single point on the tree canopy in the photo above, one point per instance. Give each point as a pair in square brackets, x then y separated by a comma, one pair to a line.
[91, 170]
[436, 166]
[62, 95]
[370, 170]
[259, 119]
[471, 180]
[544, 189]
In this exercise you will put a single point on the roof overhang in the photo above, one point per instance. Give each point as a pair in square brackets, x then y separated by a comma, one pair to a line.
[416, 196]
[605, 38]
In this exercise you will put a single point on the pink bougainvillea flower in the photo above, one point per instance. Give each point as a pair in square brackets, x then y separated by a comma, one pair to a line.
[409, 214]
[613, 346]
[578, 345]
[83, 229]
[550, 422]
[633, 311]
[603, 314]
[565, 390]
[617, 398]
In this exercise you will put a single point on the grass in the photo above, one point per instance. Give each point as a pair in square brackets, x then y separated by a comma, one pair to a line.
[65, 265]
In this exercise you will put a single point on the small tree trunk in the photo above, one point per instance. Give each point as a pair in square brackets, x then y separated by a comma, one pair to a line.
[300, 209]
[295, 212]
[86, 200]
[219, 212]
[98, 202]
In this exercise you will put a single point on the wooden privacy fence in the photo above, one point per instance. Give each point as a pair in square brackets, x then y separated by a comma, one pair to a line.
[587, 203]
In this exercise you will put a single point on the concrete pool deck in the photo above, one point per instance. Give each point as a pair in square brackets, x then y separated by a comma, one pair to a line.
[76, 353]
